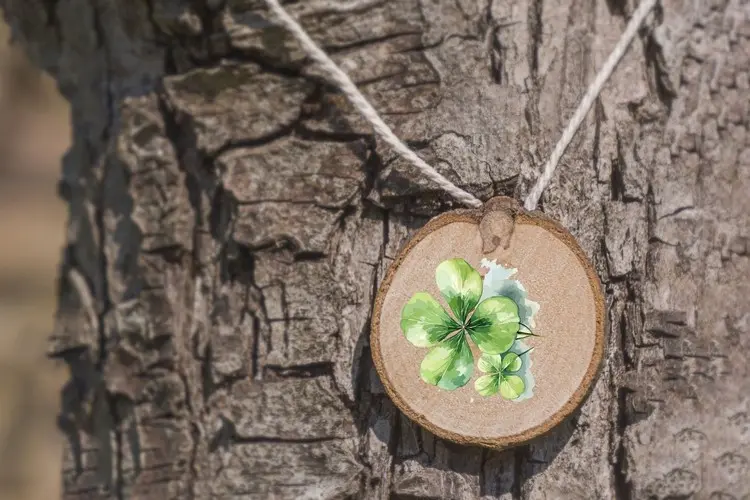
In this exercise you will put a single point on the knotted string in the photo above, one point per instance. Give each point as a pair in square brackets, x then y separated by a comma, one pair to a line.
[383, 131]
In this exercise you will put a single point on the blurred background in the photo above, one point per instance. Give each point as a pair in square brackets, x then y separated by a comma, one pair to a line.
[34, 134]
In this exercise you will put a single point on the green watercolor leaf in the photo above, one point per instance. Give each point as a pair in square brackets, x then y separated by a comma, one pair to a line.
[511, 386]
[494, 325]
[511, 362]
[461, 285]
[490, 363]
[449, 365]
[424, 322]
[499, 369]
[497, 282]
[487, 385]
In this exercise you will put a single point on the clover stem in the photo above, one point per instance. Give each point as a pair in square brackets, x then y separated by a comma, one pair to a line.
[523, 335]
[526, 351]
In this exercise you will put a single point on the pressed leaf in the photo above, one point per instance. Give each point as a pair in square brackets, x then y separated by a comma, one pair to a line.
[511, 362]
[490, 363]
[487, 385]
[460, 284]
[511, 386]
[494, 325]
[448, 365]
[424, 322]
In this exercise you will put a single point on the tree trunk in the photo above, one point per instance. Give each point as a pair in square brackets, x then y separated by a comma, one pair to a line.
[231, 218]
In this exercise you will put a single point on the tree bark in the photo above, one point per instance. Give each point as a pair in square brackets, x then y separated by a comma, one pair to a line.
[231, 217]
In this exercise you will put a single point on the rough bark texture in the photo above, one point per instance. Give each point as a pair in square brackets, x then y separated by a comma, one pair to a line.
[231, 218]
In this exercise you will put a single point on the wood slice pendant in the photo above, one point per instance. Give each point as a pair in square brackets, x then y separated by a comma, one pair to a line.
[489, 326]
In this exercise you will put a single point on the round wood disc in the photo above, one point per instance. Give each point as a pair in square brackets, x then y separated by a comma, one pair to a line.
[559, 294]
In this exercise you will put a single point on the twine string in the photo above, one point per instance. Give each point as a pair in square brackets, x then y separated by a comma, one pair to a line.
[382, 130]
[592, 93]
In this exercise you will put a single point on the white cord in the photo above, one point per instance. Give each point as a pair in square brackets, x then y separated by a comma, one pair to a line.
[588, 100]
[365, 108]
[384, 132]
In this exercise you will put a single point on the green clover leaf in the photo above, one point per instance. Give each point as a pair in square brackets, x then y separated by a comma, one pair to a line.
[497, 282]
[492, 324]
[460, 284]
[424, 322]
[450, 365]
[501, 370]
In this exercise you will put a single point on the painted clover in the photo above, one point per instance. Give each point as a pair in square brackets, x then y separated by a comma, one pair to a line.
[492, 324]
[502, 374]
[498, 281]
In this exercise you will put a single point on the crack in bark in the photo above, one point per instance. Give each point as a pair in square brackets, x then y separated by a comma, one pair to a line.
[622, 487]
[519, 456]
[344, 7]
[309, 370]
[366, 42]
[656, 61]
[535, 28]
[101, 39]
[533, 90]
[676, 211]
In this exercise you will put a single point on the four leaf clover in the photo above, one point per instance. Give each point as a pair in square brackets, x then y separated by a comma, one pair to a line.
[500, 370]
[491, 324]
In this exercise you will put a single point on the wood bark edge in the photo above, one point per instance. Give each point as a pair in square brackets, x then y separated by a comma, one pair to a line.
[583, 390]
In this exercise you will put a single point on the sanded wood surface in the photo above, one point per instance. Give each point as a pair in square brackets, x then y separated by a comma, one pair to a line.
[231, 219]
[570, 325]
